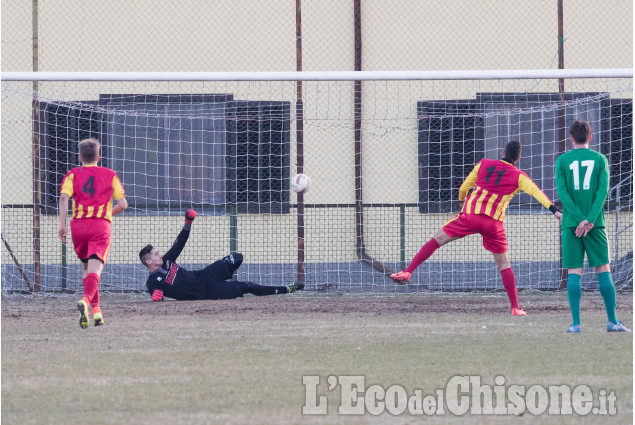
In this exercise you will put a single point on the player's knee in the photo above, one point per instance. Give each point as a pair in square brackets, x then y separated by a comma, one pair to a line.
[246, 287]
[603, 269]
[234, 260]
[442, 238]
[501, 260]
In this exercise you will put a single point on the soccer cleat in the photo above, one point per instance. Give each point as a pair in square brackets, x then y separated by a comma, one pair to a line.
[518, 312]
[83, 314]
[401, 277]
[295, 287]
[573, 329]
[98, 319]
[617, 327]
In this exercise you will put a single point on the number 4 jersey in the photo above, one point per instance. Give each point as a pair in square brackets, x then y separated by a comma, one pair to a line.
[92, 189]
[582, 181]
[495, 183]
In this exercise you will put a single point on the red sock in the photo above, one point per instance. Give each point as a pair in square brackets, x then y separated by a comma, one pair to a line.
[509, 282]
[424, 253]
[91, 283]
[95, 302]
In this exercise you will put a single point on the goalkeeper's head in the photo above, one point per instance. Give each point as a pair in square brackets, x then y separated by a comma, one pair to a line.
[150, 258]
[512, 151]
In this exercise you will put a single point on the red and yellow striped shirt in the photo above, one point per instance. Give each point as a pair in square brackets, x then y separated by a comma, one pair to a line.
[495, 183]
[92, 189]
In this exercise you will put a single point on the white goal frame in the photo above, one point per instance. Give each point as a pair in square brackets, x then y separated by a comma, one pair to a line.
[508, 74]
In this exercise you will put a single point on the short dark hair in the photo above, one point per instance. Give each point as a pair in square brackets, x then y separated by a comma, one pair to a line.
[144, 254]
[89, 149]
[580, 131]
[512, 150]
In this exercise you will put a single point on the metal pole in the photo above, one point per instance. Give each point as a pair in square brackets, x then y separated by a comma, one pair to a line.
[562, 134]
[357, 110]
[402, 236]
[299, 109]
[357, 106]
[64, 268]
[233, 234]
[17, 263]
[617, 223]
[35, 104]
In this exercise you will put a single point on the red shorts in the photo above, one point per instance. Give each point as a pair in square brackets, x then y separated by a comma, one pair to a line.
[91, 236]
[493, 231]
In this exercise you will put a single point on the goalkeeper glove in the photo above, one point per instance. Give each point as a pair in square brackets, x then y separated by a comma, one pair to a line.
[190, 215]
[157, 295]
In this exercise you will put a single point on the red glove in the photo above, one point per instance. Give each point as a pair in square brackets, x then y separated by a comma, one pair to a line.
[157, 295]
[190, 215]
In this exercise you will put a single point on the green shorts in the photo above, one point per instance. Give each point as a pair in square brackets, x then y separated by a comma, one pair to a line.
[594, 244]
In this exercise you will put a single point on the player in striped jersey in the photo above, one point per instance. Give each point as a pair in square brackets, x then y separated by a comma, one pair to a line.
[92, 189]
[494, 183]
[582, 181]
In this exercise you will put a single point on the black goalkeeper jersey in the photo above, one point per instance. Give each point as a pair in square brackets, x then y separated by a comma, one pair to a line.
[174, 280]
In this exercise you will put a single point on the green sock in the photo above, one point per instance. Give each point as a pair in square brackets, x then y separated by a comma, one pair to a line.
[574, 293]
[607, 289]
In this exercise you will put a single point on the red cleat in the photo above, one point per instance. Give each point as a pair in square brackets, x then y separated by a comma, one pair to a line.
[518, 312]
[400, 277]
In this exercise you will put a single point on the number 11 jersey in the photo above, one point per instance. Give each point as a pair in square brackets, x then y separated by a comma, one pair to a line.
[495, 183]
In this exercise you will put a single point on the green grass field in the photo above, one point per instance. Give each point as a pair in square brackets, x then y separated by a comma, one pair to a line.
[242, 361]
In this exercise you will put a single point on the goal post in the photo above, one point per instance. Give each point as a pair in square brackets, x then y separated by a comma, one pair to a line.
[506, 74]
[225, 144]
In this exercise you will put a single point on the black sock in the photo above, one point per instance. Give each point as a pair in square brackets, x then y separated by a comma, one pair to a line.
[260, 290]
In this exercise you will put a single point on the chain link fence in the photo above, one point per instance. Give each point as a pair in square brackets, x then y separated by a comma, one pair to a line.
[401, 206]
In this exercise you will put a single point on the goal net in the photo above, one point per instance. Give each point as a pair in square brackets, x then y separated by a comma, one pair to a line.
[386, 154]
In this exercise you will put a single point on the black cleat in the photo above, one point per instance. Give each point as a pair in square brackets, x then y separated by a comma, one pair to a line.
[82, 306]
[295, 287]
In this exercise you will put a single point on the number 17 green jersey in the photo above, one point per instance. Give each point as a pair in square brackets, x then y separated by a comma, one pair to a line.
[582, 182]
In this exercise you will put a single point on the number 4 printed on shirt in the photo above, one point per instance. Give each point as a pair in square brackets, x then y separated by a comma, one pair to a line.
[89, 186]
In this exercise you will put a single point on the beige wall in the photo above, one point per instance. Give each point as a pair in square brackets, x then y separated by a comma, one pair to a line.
[162, 35]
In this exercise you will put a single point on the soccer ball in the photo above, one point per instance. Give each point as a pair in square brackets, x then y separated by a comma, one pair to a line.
[300, 183]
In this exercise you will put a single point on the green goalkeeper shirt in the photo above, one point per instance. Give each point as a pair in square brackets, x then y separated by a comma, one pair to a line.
[582, 182]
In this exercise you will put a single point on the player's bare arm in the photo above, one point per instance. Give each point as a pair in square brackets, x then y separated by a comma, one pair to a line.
[61, 230]
[122, 204]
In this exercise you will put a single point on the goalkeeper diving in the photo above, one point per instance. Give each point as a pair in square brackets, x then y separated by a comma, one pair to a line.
[168, 279]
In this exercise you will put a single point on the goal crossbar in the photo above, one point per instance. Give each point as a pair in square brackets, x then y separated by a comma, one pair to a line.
[322, 75]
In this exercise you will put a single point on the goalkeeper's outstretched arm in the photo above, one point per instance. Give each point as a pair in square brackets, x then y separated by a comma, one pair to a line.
[181, 239]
